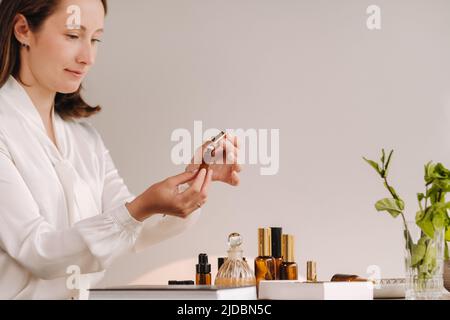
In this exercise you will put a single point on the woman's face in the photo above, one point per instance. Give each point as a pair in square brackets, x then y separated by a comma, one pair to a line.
[61, 54]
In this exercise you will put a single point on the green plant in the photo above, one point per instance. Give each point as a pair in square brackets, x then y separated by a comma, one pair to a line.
[432, 214]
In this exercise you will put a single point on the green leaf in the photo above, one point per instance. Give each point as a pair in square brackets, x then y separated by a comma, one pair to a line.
[447, 234]
[393, 206]
[442, 206]
[420, 215]
[441, 171]
[389, 160]
[418, 253]
[436, 172]
[442, 185]
[374, 165]
[430, 256]
[383, 157]
[439, 219]
[420, 197]
[386, 169]
[428, 266]
[433, 193]
[423, 220]
[392, 191]
[429, 171]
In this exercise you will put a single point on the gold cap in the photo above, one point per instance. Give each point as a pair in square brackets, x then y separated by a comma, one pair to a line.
[288, 248]
[311, 271]
[264, 242]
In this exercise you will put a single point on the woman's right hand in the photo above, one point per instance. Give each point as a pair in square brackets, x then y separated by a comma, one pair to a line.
[165, 197]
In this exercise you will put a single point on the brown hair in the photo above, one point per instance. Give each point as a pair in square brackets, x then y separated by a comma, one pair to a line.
[36, 12]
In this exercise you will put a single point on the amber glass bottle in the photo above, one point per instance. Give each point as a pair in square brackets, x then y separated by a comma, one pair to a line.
[264, 263]
[289, 269]
[347, 278]
[203, 270]
[276, 234]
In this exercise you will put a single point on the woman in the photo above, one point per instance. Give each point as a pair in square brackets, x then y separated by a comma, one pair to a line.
[62, 202]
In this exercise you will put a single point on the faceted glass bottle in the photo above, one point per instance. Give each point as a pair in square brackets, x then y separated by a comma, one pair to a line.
[235, 271]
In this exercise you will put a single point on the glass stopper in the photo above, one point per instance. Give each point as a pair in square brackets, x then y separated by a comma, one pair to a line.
[234, 240]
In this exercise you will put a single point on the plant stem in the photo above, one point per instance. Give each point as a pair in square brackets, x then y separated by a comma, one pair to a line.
[408, 234]
[390, 190]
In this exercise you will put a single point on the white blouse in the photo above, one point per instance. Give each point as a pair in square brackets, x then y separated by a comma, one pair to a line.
[62, 206]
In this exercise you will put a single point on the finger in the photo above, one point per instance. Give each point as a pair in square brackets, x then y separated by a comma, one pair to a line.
[192, 168]
[200, 152]
[198, 182]
[235, 180]
[237, 143]
[237, 168]
[234, 140]
[230, 154]
[200, 200]
[207, 182]
[183, 177]
[195, 206]
[200, 204]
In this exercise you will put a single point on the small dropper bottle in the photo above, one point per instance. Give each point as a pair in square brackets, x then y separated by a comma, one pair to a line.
[203, 268]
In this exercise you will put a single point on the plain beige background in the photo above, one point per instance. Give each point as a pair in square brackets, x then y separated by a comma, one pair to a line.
[310, 68]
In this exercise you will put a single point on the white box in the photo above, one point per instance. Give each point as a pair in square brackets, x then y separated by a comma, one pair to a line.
[298, 290]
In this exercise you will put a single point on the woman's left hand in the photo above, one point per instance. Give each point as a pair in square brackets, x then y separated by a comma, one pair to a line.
[226, 167]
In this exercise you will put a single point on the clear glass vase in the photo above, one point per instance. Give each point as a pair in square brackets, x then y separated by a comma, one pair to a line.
[424, 263]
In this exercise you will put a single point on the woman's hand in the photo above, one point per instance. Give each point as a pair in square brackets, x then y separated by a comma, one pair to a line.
[225, 168]
[165, 196]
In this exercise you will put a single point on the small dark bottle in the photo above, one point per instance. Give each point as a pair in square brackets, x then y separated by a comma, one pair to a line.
[203, 268]
[264, 263]
[289, 269]
[220, 262]
[276, 234]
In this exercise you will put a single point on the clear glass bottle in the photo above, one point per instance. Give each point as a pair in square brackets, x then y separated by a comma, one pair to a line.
[235, 271]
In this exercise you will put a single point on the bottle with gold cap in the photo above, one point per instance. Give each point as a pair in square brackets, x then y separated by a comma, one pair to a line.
[264, 263]
[311, 271]
[288, 269]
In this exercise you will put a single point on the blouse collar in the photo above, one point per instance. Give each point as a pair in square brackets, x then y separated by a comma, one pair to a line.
[23, 104]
